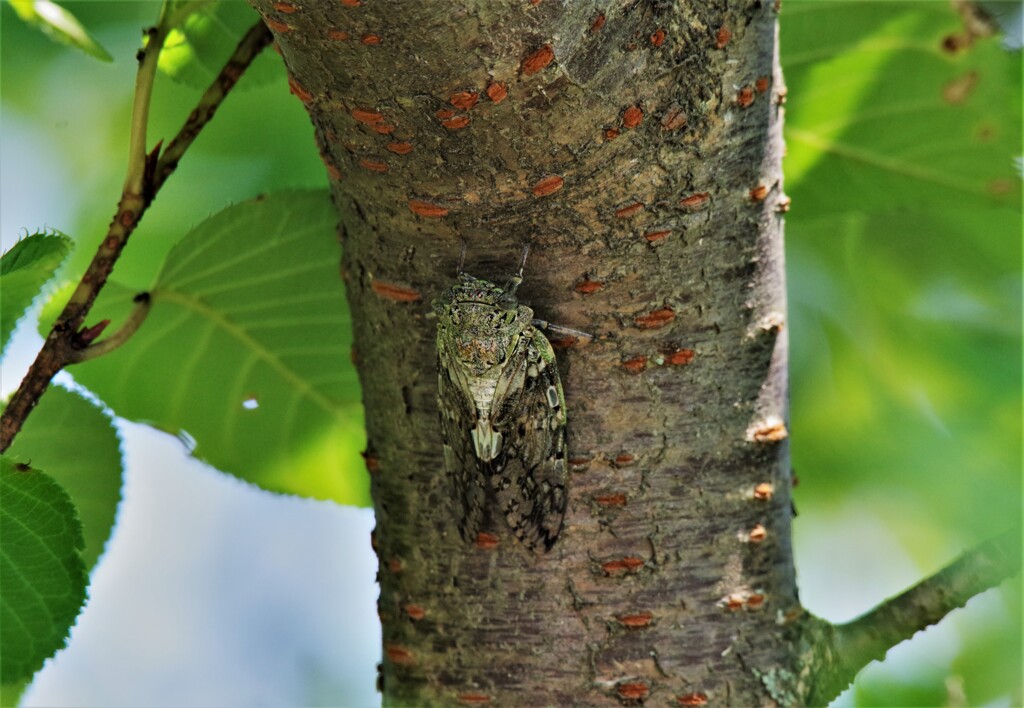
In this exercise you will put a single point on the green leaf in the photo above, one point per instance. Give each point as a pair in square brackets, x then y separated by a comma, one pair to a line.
[195, 52]
[903, 263]
[881, 113]
[992, 655]
[60, 25]
[10, 693]
[246, 350]
[903, 256]
[24, 270]
[42, 576]
[925, 689]
[77, 444]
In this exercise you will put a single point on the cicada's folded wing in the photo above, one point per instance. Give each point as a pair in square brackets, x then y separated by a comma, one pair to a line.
[466, 478]
[529, 476]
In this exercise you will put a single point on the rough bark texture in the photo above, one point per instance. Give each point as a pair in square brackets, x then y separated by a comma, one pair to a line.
[636, 146]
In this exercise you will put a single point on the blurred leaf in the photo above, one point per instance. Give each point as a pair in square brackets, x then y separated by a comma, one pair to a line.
[905, 286]
[195, 52]
[990, 664]
[79, 446]
[927, 690]
[903, 263]
[60, 25]
[906, 384]
[991, 660]
[24, 270]
[42, 575]
[881, 113]
[10, 693]
[245, 354]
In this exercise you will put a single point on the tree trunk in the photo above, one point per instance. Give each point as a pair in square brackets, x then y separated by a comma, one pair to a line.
[636, 147]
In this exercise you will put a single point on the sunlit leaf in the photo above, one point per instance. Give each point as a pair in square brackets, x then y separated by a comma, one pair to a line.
[10, 693]
[888, 107]
[59, 24]
[877, 689]
[42, 576]
[903, 263]
[245, 354]
[194, 53]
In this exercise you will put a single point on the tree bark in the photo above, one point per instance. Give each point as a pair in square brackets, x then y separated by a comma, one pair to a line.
[636, 146]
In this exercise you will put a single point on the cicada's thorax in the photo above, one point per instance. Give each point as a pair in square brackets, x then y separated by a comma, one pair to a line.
[485, 323]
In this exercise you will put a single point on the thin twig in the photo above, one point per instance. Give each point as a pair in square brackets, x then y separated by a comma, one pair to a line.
[65, 341]
[854, 644]
[254, 41]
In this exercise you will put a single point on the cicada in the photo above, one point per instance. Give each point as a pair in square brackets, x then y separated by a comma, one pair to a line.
[502, 412]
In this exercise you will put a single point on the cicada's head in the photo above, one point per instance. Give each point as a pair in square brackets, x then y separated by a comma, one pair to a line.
[481, 322]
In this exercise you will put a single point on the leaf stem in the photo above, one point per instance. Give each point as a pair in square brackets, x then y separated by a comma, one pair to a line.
[108, 344]
[144, 80]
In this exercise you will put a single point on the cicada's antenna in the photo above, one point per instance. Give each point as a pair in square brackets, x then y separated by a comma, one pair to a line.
[522, 261]
[517, 279]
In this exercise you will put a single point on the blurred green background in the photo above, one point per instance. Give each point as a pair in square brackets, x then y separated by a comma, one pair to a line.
[904, 267]
[904, 270]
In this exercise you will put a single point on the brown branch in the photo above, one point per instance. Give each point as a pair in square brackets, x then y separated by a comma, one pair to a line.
[845, 649]
[65, 341]
[255, 40]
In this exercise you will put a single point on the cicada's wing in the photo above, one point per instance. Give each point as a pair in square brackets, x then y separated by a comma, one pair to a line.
[466, 476]
[529, 475]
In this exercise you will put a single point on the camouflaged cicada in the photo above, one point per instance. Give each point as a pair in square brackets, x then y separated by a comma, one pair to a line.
[502, 412]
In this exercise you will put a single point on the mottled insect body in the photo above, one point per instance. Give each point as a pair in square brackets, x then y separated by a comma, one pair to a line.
[502, 413]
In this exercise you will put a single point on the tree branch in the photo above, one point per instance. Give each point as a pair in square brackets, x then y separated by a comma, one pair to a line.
[254, 41]
[67, 338]
[850, 647]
